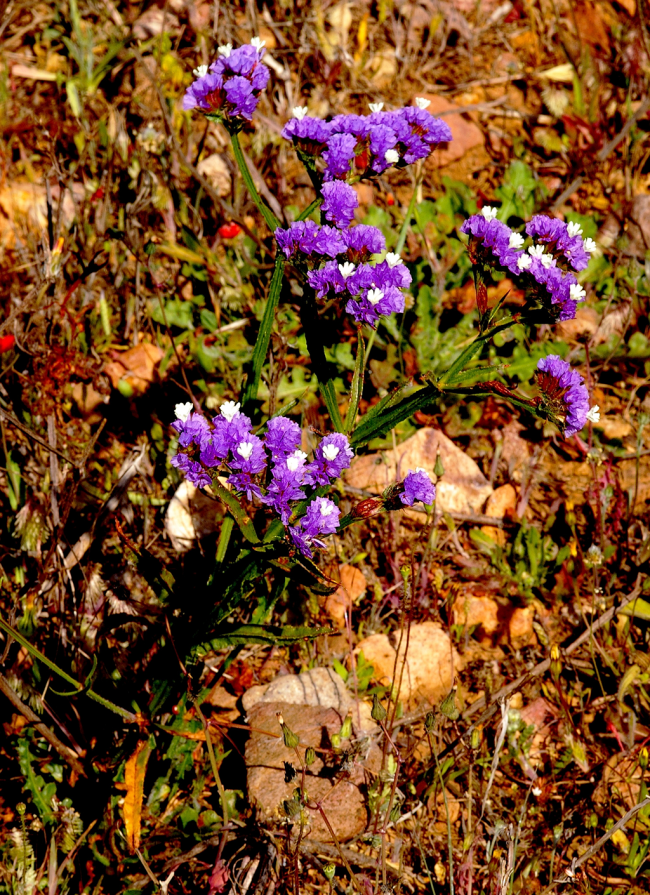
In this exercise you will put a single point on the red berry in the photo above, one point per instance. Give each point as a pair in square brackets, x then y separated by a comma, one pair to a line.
[390, 199]
[229, 231]
[7, 343]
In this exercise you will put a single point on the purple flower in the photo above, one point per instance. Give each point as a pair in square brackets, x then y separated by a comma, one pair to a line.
[564, 240]
[339, 155]
[322, 518]
[558, 294]
[363, 241]
[192, 470]
[331, 457]
[249, 455]
[230, 428]
[492, 240]
[309, 135]
[283, 436]
[232, 86]
[195, 429]
[243, 481]
[563, 393]
[288, 476]
[418, 486]
[339, 202]
[309, 238]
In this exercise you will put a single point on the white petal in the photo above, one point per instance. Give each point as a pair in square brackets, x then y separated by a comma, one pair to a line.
[422, 103]
[576, 292]
[524, 262]
[393, 259]
[347, 269]
[299, 112]
[257, 43]
[392, 156]
[225, 50]
[574, 229]
[594, 414]
[183, 411]
[201, 71]
[590, 246]
[376, 107]
[516, 241]
[229, 410]
[330, 452]
[245, 449]
[489, 212]
[374, 296]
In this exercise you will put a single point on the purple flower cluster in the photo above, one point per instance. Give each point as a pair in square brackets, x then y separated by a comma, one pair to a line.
[231, 87]
[371, 289]
[418, 486]
[494, 244]
[229, 441]
[363, 145]
[564, 394]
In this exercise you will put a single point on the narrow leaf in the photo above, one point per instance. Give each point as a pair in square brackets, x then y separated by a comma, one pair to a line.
[264, 335]
[357, 385]
[392, 416]
[134, 773]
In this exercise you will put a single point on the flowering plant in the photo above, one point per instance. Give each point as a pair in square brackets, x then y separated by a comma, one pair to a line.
[248, 462]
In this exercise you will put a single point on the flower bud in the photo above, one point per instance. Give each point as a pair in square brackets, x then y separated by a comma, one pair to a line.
[556, 662]
[367, 508]
[328, 871]
[346, 727]
[378, 712]
[291, 740]
[21, 807]
[310, 755]
[475, 738]
[429, 721]
[439, 469]
[643, 758]
[448, 706]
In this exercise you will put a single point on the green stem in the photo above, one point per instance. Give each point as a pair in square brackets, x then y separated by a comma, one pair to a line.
[224, 538]
[311, 207]
[239, 514]
[264, 335]
[271, 221]
[320, 366]
[37, 654]
[469, 352]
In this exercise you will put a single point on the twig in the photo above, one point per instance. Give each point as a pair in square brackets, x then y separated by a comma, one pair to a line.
[43, 729]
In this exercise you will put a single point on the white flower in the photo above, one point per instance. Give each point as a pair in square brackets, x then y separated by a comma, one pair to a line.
[577, 293]
[225, 50]
[299, 112]
[524, 262]
[183, 411]
[420, 469]
[574, 229]
[347, 269]
[536, 790]
[536, 251]
[392, 156]
[374, 296]
[393, 259]
[330, 452]
[326, 509]
[376, 107]
[489, 213]
[258, 43]
[516, 241]
[245, 449]
[296, 460]
[201, 71]
[229, 410]
[422, 103]
[547, 261]
[594, 414]
[589, 245]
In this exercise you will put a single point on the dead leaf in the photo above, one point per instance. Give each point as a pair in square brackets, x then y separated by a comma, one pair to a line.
[216, 170]
[134, 774]
[351, 588]
[191, 515]
[135, 368]
[466, 135]
[585, 323]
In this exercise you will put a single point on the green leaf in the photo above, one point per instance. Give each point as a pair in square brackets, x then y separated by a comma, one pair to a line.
[639, 608]
[264, 335]
[357, 385]
[40, 791]
[383, 422]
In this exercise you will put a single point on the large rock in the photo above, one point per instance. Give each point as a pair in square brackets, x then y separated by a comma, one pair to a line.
[341, 794]
[431, 663]
[462, 489]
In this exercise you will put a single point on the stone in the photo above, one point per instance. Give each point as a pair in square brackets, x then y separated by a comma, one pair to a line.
[520, 627]
[215, 169]
[501, 505]
[430, 666]
[479, 612]
[343, 798]
[463, 488]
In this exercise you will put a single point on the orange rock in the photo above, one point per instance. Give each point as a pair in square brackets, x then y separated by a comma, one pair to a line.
[520, 627]
[480, 612]
[135, 368]
[501, 504]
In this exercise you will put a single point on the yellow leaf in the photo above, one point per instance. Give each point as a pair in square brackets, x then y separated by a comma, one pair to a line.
[134, 772]
[362, 38]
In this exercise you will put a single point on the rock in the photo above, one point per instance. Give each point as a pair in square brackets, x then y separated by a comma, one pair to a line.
[520, 627]
[478, 612]
[191, 515]
[215, 169]
[462, 489]
[345, 803]
[516, 452]
[466, 135]
[501, 504]
[430, 665]
[352, 587]
[133, 371]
